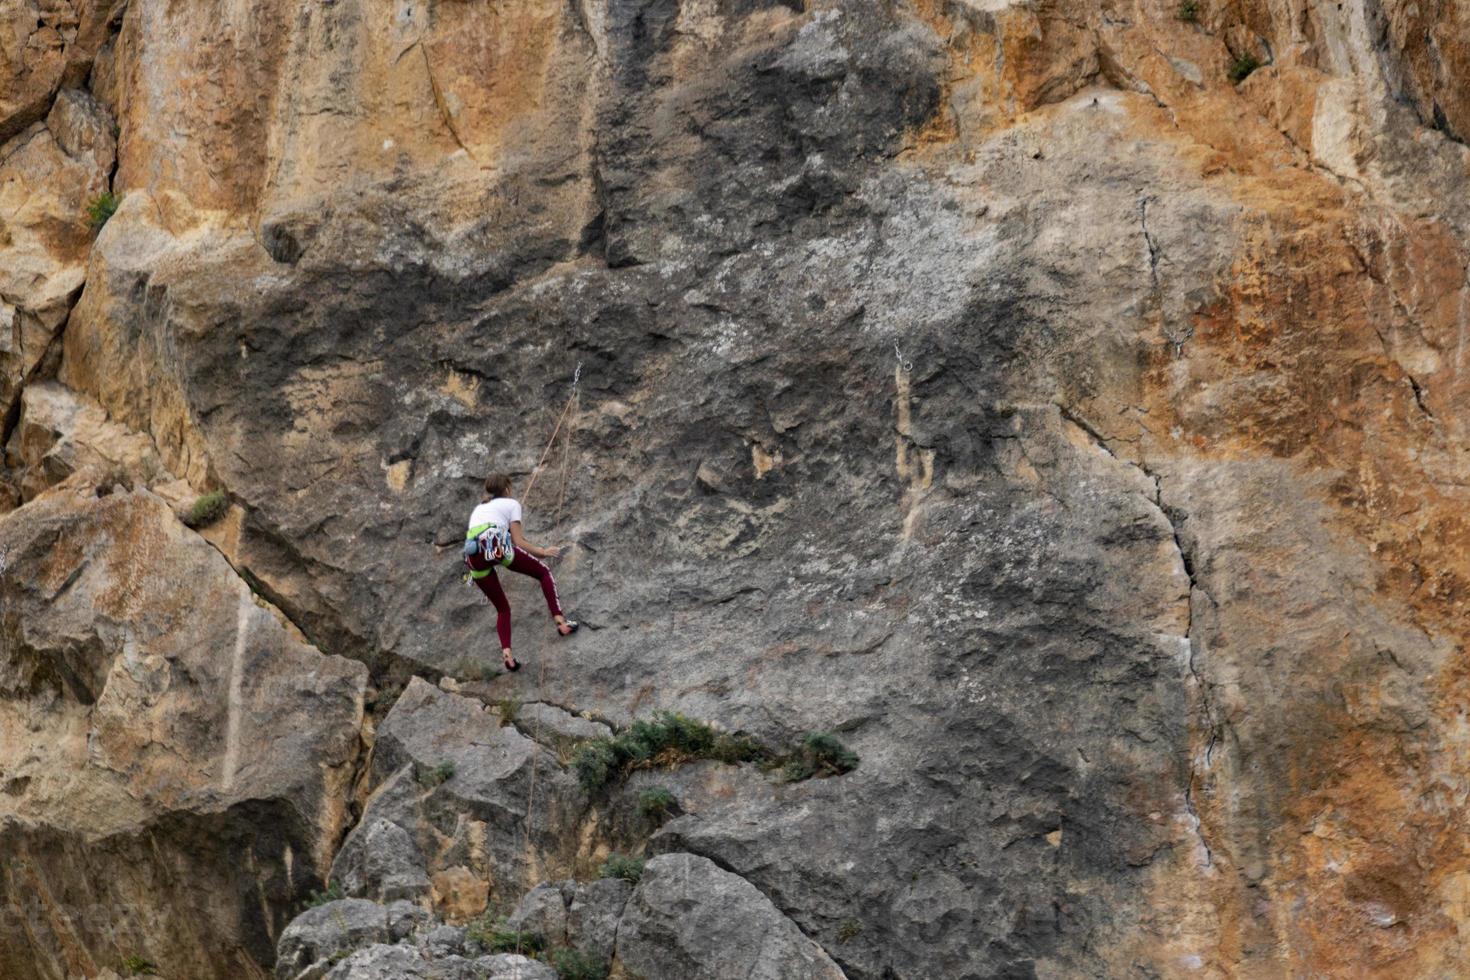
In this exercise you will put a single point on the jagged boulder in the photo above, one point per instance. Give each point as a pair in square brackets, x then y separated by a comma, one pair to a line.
[574, 914]
[406, 963]
[689, 918]
[452, 819]
[327, 934]
[60, 432]
[178, 759]
[48, 174]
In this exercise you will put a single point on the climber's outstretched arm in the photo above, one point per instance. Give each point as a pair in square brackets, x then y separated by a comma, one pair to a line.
[518, 539]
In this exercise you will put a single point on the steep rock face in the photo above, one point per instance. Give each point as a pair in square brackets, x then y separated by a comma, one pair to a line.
[1076, 431]
[48, 173]
[165, 796]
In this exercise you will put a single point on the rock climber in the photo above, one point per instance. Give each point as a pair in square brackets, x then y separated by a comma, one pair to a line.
[495, 538]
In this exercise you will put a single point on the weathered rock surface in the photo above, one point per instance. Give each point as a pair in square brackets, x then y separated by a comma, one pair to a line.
[354, 939]
[48, 173]
[326, 934]
[466, 809]
[688, 918]
[60, 432]
[44, 45]
[405, 963]
[177, 764]
[575, 915]
[1072, 424]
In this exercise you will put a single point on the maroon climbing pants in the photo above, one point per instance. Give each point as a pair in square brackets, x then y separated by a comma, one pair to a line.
[490, 585]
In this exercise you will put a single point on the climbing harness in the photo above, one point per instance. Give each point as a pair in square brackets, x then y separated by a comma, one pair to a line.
[492, 543]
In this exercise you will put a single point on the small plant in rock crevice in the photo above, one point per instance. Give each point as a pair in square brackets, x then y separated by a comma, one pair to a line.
[432, 776]
[668, 738]
[473, 670]
[622, 866]
[1188, 11]
[331, 893]
[102, 207]
[1242, 68]
[671, 739]
[207, 509]
[820, 755]
[656, 803]
[572, 964]
[137, 966]
[848, 929]
[495, 936]
[506, 708]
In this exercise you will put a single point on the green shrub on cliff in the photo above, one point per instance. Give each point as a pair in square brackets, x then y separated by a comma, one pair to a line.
[432, 776]
[207, 509]
[571, 964]
[102, 207]
[135, 966]
[655, 802]
[820, 754]
[668, 738]
[506, 708]
[1189, 11]
[1243, 66]
[622, 866]
[492, 933]
[331, 893]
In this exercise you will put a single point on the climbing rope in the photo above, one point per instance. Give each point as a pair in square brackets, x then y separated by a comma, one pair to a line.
[571, 399]
[566, 457]
[571, 409]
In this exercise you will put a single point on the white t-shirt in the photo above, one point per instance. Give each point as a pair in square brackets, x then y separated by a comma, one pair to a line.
[502, 512]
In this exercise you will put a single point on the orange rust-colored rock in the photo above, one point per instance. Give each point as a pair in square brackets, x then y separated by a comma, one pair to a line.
[1063, 411]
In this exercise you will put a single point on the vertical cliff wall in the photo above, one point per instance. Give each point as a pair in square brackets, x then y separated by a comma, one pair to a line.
[1060, 403]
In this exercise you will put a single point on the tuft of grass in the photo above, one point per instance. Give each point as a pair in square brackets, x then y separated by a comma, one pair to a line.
[1188, 11]
[571, 964]
[1242, 68]
[820, 755]
[433, 776]
[668, 738]
[331, 893]
[207, 509]
[656, 802]
[506, 708]
[137, 966]
[383, 698]
[848, 929]
[102, 207]
[469, 669]
[621, 866]
[491, 932]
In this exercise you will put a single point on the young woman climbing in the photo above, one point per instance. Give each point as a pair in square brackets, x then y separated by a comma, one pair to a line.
[495, 538]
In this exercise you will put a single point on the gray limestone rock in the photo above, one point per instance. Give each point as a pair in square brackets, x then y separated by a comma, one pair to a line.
[688, 918]
[380, 860]
[581, 915]
[458, 798]
[409, 963]
[316, 938]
